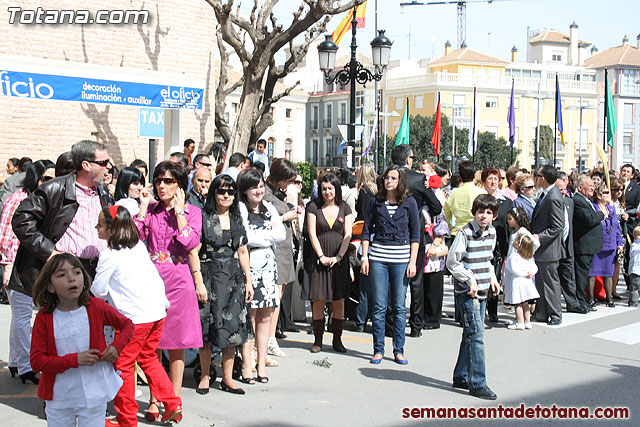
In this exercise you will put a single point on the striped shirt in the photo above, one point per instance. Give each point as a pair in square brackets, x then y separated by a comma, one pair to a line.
[396, 254]
[469, 258]
[8, 241]
[81, 237]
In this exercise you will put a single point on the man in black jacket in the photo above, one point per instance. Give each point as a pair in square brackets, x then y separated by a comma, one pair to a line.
[566, 267]
[631, 201]
[402, 155]
[587, 237]
[60, 216]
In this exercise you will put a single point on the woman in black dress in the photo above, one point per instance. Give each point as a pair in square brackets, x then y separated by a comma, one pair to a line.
[330, 221]
[224, 263]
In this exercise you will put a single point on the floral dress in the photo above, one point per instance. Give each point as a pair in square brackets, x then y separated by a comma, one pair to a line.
[169, 250]
[224, 317]
[264, 230]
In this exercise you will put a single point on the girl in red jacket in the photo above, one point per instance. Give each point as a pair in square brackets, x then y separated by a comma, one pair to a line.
[68, 345]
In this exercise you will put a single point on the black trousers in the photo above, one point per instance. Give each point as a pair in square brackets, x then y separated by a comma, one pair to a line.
[416, 309]
[285, 319]
[566, 271]
[433, 290]
[582, 266]
[492, 300]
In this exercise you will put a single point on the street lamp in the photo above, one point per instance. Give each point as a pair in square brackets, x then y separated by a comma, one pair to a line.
[354, 71]
[580, 107]
[538, 95]
[454, 107]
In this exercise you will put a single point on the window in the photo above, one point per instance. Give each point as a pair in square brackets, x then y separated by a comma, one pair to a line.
[582, 143]
[328, 144]
[516, 102]
[629, 82]
[556, 56]
[271, 146]
[526, 73]
[314, 117]
[536, 74]
[342, 118]
[459, 99]
[399, 103]
[328, 112]
[234, 106]
[288, 149]
[418, 101]
[628, 114]
[359, 104]
[314, 151]
[287, 113]
[491, 102]
[627, 141]
[492, 129]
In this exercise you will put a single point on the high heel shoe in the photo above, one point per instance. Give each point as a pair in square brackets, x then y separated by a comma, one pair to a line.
[203, 390]
[174, 416]
[13, 370]
[29, 376]
[150, 415]
[610, 303]
[225, 387]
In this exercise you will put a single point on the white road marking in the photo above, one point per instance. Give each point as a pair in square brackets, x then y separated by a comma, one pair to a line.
[629, 334]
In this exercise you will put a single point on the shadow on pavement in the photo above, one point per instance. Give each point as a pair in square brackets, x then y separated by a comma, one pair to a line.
[405, 376]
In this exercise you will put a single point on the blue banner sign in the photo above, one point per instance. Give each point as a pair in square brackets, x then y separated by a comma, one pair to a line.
[151, 122]
[80, 89]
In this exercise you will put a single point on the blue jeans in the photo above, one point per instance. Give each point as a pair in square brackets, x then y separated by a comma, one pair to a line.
[363, 311]
[388, 281]
[470, 367]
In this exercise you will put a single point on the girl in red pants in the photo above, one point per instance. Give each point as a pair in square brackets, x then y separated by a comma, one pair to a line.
[127, 278]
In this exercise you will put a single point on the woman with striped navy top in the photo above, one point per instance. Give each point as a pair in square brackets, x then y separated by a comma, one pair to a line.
[390, 239]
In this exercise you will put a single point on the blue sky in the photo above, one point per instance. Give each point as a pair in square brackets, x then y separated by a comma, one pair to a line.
[601, 22]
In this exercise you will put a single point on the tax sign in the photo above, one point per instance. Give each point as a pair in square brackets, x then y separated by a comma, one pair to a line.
[151, 122]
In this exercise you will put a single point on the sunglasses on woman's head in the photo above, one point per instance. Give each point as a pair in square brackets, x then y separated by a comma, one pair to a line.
[229, 191]
[167, 181]
[47, 178]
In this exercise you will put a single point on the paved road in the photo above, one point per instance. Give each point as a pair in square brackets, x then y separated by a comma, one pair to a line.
[589, 361]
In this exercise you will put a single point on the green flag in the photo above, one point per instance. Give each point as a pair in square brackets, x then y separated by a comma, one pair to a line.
[403, 132]
[612, 123]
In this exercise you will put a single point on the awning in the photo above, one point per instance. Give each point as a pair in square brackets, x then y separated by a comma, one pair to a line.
[44, 79]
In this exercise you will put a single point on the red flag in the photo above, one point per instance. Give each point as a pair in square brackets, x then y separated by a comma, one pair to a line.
[436, 130]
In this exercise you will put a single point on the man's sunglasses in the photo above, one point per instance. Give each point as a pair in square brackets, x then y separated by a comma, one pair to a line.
[530, 187]
[206, 165]
[167, 181]
[229, 191]
[102, 163]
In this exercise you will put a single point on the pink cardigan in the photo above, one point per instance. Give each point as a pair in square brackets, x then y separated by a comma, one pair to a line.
[44, 355]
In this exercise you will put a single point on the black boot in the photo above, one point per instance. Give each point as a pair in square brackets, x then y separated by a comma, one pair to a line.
[318, 331]
[337, 325]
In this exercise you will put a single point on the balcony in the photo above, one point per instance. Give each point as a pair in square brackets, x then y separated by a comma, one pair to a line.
[502, 83]
[326, 123]
[313, 124]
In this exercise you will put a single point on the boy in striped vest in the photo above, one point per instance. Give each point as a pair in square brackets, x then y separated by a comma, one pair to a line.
[469, 261]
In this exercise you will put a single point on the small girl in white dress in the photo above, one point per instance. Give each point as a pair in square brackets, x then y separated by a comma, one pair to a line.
[519, 288]
[68, 345]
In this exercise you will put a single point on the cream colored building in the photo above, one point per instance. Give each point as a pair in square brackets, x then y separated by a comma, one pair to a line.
[455, 75]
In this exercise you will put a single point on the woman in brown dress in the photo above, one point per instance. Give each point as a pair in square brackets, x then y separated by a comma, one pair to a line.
[329, 222]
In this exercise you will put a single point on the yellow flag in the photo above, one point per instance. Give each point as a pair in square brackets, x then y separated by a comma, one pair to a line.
[345, 24]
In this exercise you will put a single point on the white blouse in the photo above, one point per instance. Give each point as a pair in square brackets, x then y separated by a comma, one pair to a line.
[131, 283]
[84, 386]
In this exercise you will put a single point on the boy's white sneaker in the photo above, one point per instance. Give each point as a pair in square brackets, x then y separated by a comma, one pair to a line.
[516, 327]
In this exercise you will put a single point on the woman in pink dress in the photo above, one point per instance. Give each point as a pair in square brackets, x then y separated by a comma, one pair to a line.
[171, 229]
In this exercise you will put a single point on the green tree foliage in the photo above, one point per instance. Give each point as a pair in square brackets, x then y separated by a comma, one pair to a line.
[546, 141]
[308, 173]
[492, 152]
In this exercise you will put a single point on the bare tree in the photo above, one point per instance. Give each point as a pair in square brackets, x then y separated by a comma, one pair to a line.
[256, 39]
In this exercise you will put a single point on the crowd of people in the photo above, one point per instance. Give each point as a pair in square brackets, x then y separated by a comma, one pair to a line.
[207, 258]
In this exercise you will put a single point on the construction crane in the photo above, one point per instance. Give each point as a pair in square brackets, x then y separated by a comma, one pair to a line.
[462, 13]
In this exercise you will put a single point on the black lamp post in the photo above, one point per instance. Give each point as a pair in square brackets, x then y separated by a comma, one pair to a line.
[354, 71]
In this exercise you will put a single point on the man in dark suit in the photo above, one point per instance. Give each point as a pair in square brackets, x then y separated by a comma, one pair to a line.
[631, 201]
[566, 269]
[547, 223]
[402, 155]
[587, 237]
